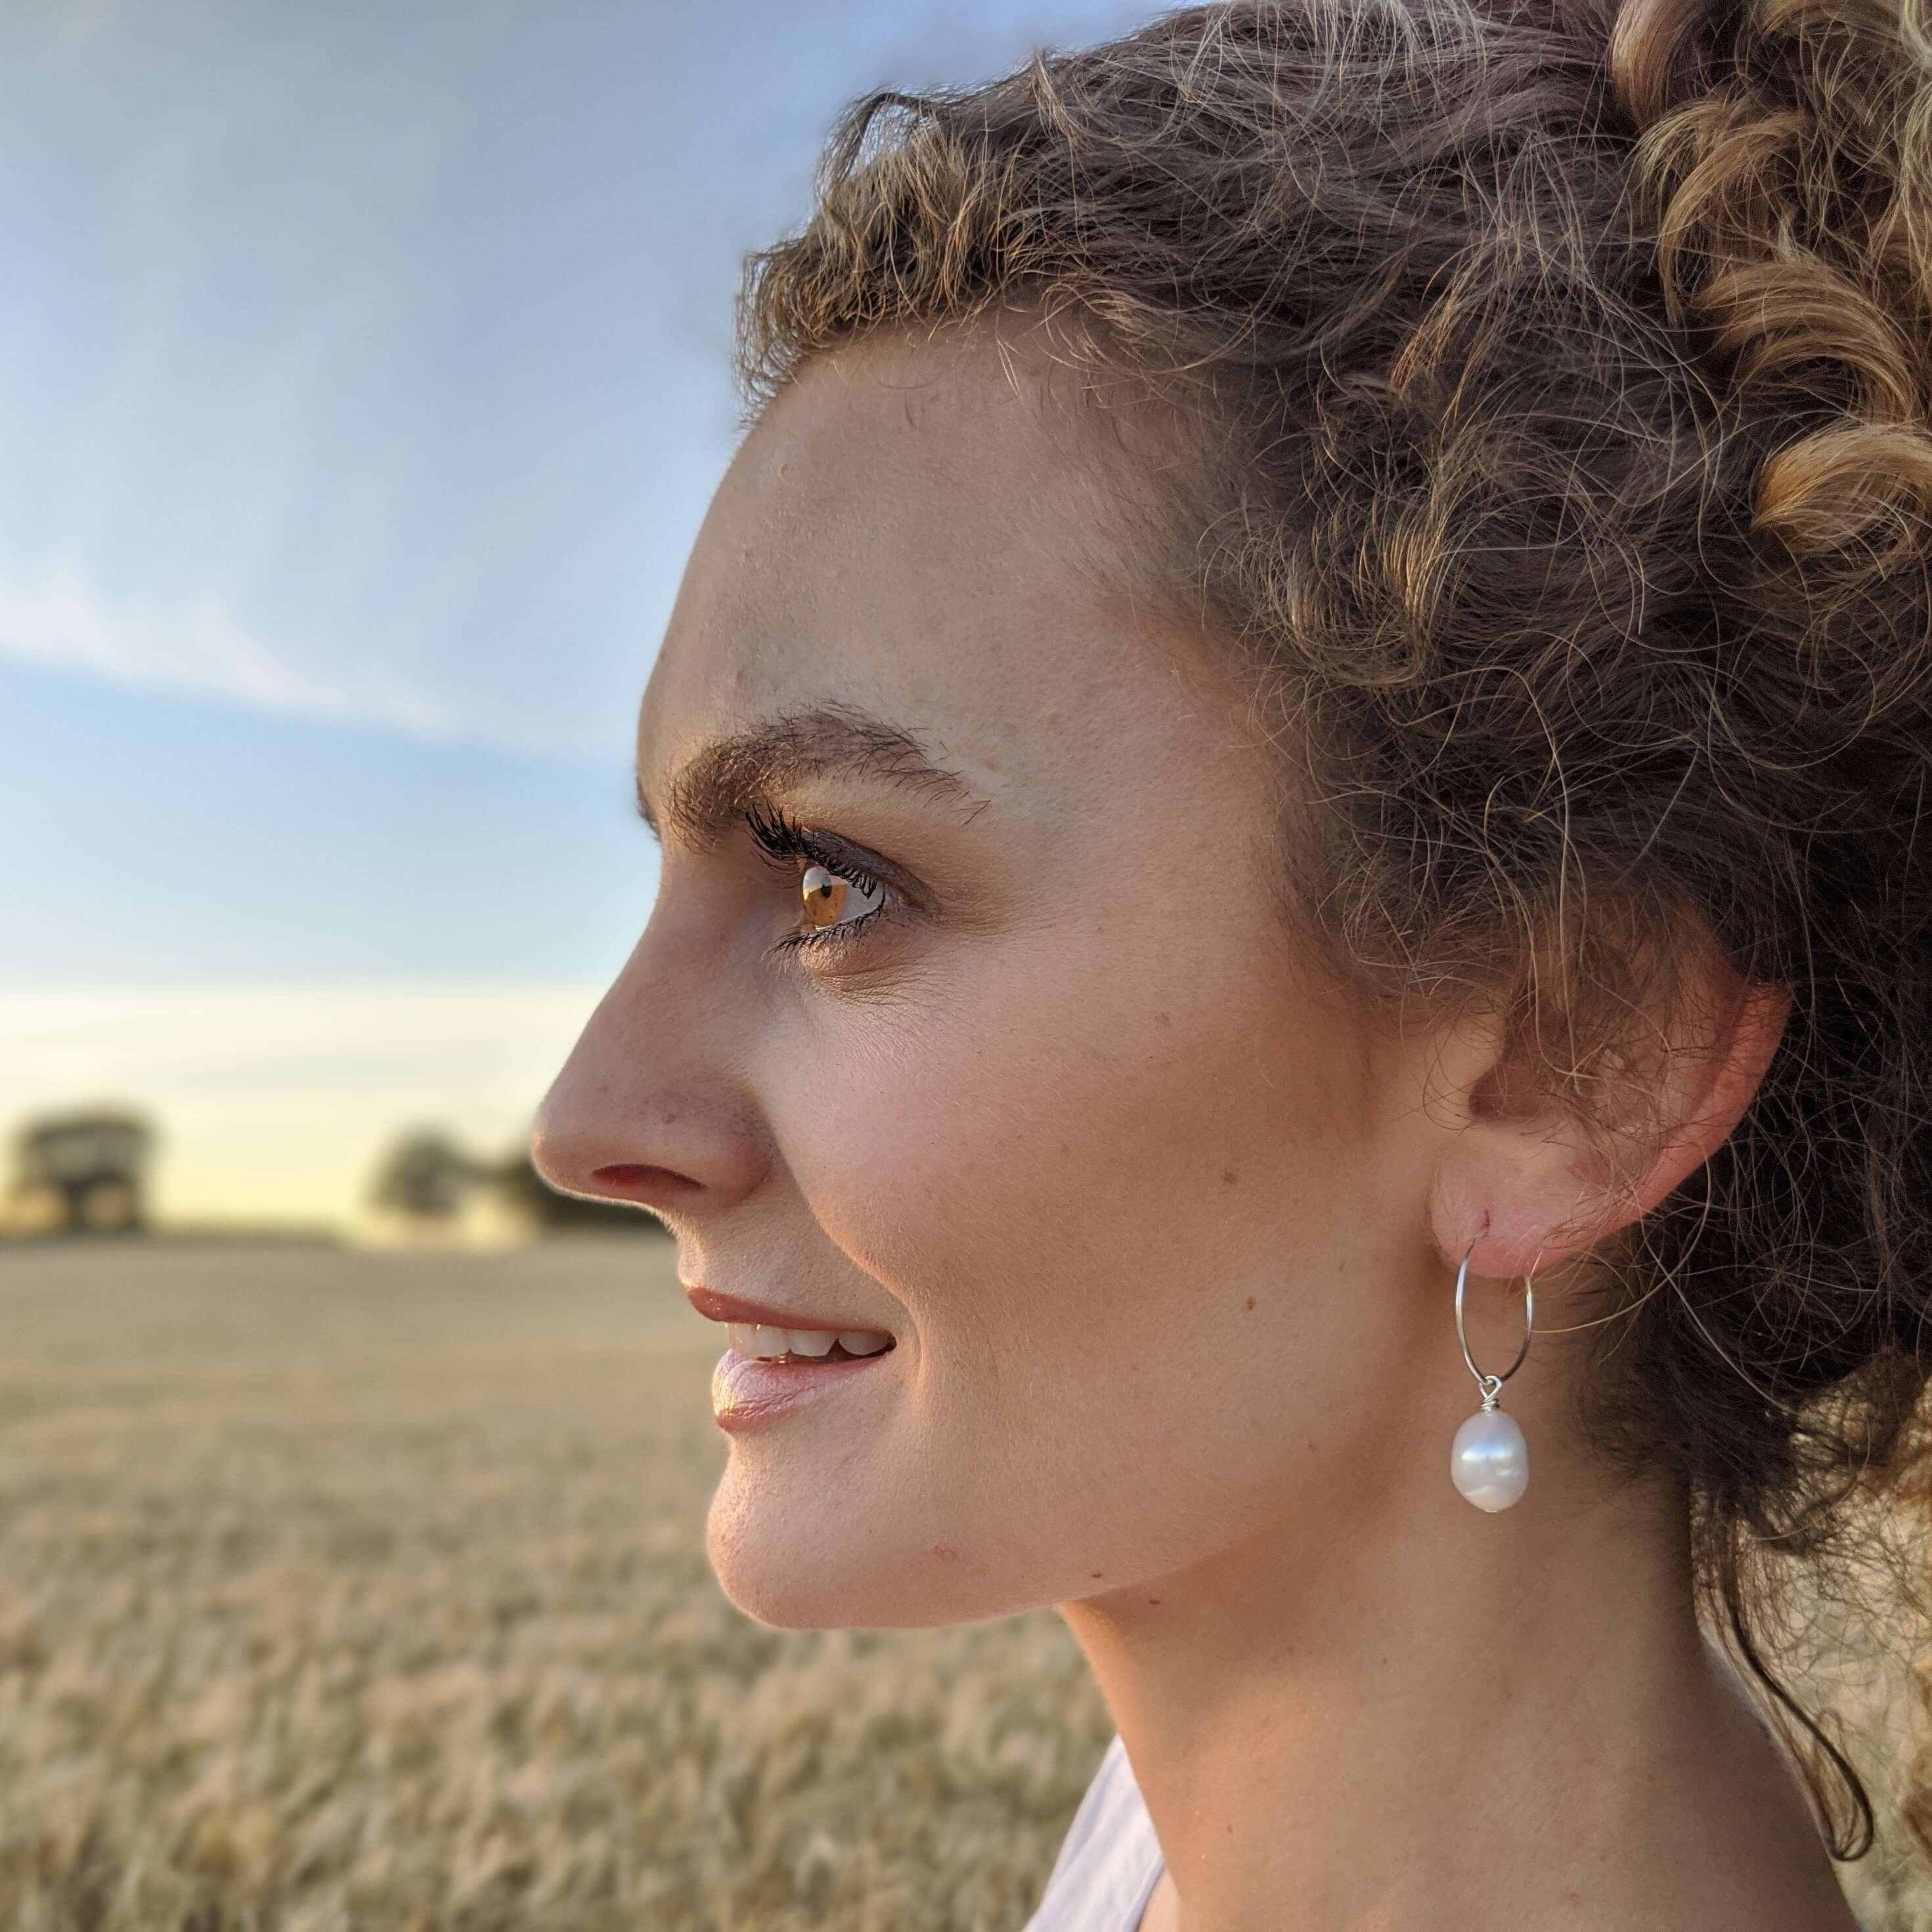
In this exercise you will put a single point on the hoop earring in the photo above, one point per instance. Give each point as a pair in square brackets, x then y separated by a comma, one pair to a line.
[1488, 1462]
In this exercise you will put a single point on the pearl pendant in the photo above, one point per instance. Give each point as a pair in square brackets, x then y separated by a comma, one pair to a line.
[1488, 1462]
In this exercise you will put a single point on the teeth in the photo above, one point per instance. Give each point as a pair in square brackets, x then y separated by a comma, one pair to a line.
[756, 1339]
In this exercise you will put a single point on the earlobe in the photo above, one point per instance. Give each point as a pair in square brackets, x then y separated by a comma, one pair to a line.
[1522, 1176]
[1511, 1176]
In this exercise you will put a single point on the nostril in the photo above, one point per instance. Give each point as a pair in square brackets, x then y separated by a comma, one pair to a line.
[636, 1178]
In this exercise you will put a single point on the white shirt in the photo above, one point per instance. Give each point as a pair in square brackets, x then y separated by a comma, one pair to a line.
[1110, 1860]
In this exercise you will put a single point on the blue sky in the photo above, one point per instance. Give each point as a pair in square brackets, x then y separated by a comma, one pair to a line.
[365, 370]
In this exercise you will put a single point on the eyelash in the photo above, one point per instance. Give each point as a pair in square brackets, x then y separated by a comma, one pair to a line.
[785, 839]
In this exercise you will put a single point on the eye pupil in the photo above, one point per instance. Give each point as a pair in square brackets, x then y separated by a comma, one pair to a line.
[825, 895]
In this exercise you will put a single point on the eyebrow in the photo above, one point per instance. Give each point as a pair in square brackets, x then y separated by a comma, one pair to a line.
[724, 779]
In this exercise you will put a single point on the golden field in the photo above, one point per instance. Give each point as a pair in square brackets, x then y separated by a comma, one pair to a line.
[351, 1591]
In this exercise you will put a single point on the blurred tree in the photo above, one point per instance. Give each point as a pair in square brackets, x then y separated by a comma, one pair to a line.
[527, 1193]
[83, 1173]
[426, 1177]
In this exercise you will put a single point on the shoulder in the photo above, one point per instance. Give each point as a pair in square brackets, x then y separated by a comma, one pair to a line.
[1110, 1860]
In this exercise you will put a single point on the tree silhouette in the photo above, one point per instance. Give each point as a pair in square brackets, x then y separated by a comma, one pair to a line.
[426, 1176]
[84, 1172]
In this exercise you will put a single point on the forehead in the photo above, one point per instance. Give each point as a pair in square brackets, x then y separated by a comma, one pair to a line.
[930, 529]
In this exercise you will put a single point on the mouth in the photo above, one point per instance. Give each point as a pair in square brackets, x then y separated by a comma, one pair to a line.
[806, 1348]
[765, 1374]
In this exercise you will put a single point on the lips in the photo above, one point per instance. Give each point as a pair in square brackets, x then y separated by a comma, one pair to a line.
[718, 1307]
[747, 1393]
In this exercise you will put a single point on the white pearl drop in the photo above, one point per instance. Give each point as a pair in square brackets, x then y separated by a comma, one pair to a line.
[1488, 1462]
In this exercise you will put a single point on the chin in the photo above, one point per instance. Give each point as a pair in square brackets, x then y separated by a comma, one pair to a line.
[792, 1571]
[832, 1570]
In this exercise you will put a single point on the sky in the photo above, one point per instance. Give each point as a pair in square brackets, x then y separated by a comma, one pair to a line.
[365, 373]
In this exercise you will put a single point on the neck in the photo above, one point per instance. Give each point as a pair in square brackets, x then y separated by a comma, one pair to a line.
[1425, 1717]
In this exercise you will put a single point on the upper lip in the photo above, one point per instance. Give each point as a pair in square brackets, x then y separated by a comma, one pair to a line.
[718, 1307]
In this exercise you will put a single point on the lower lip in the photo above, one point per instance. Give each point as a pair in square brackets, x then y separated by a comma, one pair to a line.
[747, 1392]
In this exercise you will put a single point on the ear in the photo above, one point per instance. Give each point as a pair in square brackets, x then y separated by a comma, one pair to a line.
[1521, 1168]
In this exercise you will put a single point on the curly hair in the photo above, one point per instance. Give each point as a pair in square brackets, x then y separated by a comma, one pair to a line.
[1558, 373]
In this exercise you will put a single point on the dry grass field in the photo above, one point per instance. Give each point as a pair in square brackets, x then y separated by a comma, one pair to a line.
[348, 1591]
[343, 1590]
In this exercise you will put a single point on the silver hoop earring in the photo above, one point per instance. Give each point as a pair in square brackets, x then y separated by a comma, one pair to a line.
[1488, 1462]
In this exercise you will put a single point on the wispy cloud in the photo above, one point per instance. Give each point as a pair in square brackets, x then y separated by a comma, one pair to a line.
[372, 362]
[201, 647]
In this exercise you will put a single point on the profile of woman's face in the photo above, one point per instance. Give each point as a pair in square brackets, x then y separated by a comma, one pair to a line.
[1051, 1102]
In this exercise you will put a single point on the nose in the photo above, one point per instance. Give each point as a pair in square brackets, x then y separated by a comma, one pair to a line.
[641, 1111]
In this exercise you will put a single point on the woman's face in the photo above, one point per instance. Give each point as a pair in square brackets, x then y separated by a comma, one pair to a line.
[1142, 1208]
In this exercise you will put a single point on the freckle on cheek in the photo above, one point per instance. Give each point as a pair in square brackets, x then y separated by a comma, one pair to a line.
[1251, 1301]
[1228, 1179]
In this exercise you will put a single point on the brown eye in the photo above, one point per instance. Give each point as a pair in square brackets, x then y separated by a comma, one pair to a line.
[830, 900]
[825, 894]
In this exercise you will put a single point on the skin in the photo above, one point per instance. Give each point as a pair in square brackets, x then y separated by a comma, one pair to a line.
[1165, 1230]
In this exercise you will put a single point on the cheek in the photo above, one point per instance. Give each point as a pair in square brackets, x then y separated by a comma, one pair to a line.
[1056, 1143]
[1114, 1221]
